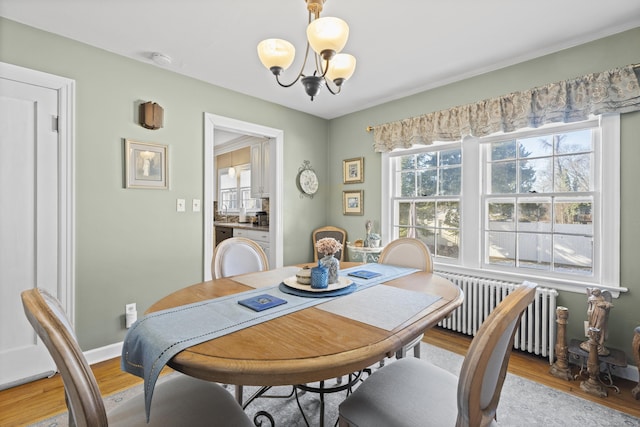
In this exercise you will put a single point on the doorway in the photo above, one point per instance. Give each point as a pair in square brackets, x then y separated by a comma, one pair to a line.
[213, 124]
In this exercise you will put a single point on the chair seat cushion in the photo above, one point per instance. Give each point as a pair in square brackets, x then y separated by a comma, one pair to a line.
[409, 392]
[182, 401]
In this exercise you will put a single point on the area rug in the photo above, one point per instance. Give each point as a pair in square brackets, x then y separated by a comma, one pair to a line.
[522, 403]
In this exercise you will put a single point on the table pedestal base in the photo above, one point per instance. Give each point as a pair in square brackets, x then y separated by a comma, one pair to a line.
[298, 390]
[322, 390]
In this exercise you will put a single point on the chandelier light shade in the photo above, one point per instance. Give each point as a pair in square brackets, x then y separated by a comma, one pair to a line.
[326, 37]
[276, 53]
[341, 67]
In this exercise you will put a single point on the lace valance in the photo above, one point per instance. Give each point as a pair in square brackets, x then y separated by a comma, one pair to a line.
[613, 91]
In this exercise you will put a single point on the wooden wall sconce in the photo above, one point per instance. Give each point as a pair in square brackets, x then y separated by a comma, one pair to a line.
[151, 115]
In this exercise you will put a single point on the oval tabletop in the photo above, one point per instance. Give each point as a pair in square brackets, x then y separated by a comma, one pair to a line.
[304, 346]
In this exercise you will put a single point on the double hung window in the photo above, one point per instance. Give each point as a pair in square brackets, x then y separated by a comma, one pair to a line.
[426, 198]
[538, 203]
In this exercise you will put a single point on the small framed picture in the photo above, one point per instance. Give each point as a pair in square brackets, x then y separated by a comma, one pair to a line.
[353, 202]
[353, 170]
[145, 165]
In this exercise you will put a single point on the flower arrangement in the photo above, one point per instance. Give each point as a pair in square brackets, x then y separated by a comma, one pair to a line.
[328, 246]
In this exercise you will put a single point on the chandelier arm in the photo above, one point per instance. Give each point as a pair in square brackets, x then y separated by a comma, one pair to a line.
[287, 84]
[304, 62]
[319, 68]
[328, 86]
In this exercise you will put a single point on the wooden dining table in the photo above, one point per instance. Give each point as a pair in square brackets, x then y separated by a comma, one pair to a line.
[304, 346]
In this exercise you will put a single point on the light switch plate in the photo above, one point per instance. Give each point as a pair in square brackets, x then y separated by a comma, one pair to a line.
[180, 205]
[195, 205]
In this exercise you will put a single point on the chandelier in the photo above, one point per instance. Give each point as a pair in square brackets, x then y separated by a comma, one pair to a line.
[326, 36]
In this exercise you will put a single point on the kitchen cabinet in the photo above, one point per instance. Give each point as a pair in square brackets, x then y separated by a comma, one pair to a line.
[223, 233]
[260, 170]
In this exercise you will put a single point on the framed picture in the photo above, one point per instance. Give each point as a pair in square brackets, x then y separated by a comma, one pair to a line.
[145, 165]
[353, 170]
[353, 202]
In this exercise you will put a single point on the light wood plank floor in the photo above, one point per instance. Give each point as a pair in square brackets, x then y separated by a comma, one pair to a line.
[38, 400]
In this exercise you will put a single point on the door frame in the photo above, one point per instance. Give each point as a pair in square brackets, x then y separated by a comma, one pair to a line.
[65, 88]
[276, 150]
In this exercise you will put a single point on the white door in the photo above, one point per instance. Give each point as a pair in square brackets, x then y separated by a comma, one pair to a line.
[31, 220]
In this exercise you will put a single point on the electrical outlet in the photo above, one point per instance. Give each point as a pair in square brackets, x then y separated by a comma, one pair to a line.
[130, 314]
[180, 205]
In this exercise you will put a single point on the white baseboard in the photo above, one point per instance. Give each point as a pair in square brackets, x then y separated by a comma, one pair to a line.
[101, 354]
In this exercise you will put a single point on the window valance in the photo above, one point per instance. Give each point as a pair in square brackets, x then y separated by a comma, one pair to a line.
[613, 91]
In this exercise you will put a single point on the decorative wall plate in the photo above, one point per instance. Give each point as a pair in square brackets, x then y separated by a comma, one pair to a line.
[307, 180]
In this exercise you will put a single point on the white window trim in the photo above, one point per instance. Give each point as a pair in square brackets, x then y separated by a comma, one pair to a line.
[608, 222]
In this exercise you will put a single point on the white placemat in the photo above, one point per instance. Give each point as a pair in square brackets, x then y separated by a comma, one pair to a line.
[385, 307]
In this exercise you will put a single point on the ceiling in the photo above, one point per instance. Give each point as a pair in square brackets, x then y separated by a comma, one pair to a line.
[402, 47]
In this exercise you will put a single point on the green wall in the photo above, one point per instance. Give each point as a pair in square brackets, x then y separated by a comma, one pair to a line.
[348, 138]
[131, 245]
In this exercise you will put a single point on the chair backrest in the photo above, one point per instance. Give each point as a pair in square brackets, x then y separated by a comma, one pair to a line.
[329, 231]
[407, 252]
[47, 317]
[485, 365]
[238, 255]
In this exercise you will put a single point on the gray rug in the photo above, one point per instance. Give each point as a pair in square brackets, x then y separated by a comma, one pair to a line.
[522, 403]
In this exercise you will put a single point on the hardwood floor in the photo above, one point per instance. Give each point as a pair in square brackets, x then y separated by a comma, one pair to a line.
[38, 400]
[28, 403]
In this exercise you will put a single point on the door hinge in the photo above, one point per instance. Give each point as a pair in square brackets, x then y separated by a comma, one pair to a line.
[54, 123]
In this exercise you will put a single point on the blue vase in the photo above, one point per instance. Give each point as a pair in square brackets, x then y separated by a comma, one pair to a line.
[333, 264]
[319, 276]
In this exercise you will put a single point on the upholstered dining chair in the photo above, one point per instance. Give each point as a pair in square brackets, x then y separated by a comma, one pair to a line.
[408, 252]
[237, 255]
[414, 392]
[337, 233]
[178, 401]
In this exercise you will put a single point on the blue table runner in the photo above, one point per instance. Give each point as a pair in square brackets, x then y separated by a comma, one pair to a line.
[154, 339]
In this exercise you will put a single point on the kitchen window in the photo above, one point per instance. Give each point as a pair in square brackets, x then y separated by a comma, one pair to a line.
[235, 190]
